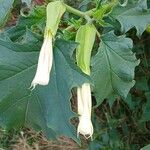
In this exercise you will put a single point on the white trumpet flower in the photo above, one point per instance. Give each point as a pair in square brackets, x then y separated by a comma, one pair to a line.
[44, 63]
[85, 126]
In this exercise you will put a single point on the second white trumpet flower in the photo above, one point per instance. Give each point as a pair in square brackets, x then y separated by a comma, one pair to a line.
[44, 63]
[85, 126]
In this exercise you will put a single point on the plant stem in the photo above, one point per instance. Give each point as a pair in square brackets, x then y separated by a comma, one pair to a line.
[90, 12]
[78, 12]
[75, 11]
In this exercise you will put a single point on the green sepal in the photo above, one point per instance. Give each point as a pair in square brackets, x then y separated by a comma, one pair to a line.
[55, 10]
[85, 37]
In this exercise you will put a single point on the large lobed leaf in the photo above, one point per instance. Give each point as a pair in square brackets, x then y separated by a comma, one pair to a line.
[5, 8]
[29, 41]
[46, 107]
[133, 15]
[113, 67]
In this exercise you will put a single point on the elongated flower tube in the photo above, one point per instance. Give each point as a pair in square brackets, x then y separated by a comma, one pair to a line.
[44, 62]
[85, 126]
[54, 10]
[85, 37]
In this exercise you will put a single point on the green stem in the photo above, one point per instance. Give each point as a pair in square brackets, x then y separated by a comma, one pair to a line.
[79, 13]
[75, 11]
[69, 28]
[98, 34]
[90, 12]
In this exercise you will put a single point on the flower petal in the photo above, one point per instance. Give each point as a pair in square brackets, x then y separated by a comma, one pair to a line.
[85, 126]
[44, 63]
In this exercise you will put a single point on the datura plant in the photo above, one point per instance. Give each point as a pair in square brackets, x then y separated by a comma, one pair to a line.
[57, 50]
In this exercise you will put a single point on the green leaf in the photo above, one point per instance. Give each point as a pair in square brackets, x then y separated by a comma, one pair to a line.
[47, 107]
[147, 147]
[29, 42]
[113, 67]
[64, 77]
[5, 8]
[35, 21]
[130, 102]
[133, 15]
[142, 84]
[18, 105]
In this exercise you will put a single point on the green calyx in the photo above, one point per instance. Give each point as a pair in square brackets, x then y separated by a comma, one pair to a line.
[55, 10]
[47, 34]
[85, 37]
